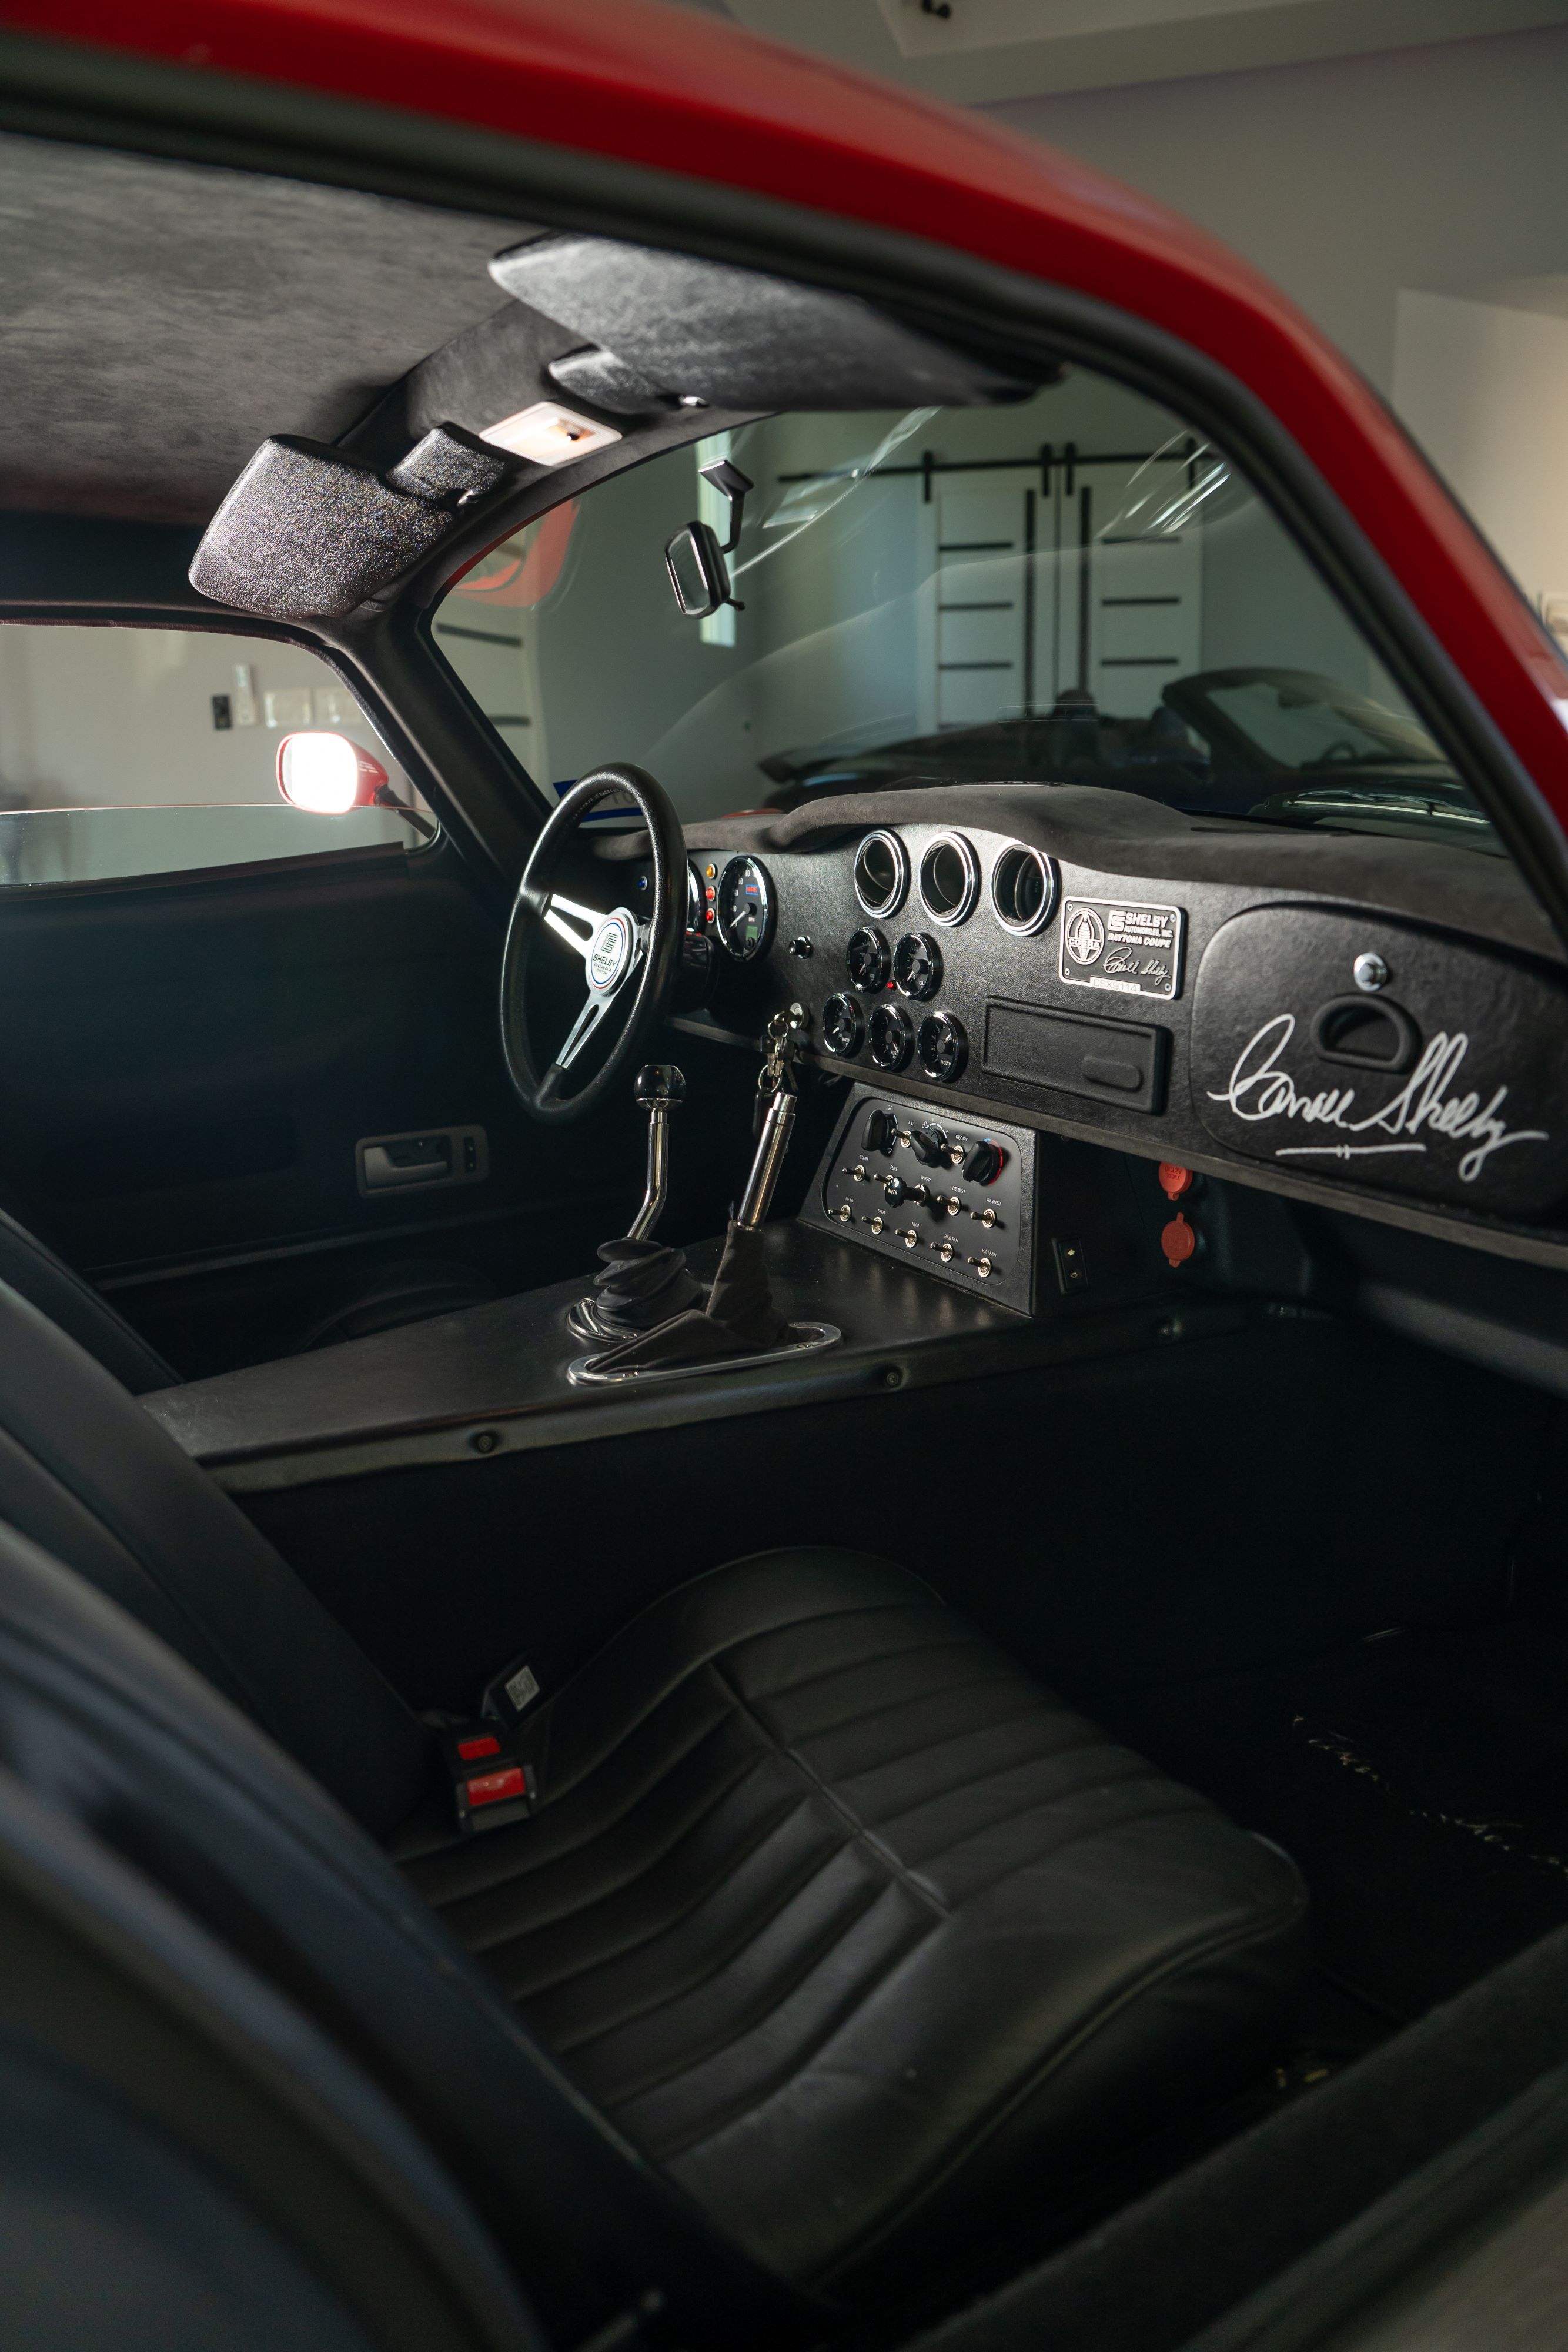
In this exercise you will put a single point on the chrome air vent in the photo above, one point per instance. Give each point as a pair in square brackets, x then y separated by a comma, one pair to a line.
[949, 879]
[882, 873]
[1024, 890]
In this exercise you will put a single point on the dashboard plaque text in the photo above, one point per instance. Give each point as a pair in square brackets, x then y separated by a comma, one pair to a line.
[1122, 944]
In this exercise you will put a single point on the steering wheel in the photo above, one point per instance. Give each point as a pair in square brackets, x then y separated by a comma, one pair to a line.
[629, 964]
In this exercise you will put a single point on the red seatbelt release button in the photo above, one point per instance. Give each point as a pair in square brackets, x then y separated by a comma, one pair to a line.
[495, 1788]
[490, 1783]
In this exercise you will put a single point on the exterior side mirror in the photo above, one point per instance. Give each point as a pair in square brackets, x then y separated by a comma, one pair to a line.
[326, 774]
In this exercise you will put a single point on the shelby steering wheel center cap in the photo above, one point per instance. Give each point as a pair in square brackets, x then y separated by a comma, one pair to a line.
[610, 952]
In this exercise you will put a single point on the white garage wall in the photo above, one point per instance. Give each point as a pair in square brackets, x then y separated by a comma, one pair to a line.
[1441, 169]
[1484, 388]
[111, 764]
[1389, 195]
[100, 718]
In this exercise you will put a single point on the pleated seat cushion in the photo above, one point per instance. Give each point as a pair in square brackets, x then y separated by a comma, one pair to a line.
[851, 1926]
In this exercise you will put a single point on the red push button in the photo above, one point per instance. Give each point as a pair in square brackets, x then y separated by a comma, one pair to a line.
[1178, 1240]
[471, 1750]
[1175, 1180]
[490, 1788]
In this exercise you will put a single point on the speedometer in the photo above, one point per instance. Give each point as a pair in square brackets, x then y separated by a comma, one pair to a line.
[745, 907]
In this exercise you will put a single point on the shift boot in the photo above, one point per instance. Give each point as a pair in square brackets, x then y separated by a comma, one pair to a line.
[644, 1284]
[741, 1315]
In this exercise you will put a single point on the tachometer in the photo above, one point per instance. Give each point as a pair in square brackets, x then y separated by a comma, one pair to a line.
[745, 907]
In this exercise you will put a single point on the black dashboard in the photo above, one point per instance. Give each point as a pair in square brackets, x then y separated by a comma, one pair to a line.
[1376, 1022]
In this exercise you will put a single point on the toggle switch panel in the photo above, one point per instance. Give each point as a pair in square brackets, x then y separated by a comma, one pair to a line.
[950, 1196]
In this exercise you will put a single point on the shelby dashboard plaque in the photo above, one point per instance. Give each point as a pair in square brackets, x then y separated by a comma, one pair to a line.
[1122, 944]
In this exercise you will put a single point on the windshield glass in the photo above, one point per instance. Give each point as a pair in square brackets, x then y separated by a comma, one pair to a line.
[1072, 589]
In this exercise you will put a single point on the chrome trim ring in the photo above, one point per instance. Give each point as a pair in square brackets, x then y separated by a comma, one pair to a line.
[1050, 888]
[842, 1027]
[895, 898]
[935, 1029]
[800, 1339]
[890, 1034]
[965, 904]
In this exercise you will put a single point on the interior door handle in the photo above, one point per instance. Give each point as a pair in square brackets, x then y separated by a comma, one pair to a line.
[421, 1159]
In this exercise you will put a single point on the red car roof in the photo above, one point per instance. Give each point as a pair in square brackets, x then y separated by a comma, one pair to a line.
[682, 92]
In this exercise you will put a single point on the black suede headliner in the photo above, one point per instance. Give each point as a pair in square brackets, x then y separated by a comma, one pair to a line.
[160, 319]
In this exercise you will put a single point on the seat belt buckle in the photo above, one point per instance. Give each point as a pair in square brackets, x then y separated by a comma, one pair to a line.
[508, 1696]
[490, 1783]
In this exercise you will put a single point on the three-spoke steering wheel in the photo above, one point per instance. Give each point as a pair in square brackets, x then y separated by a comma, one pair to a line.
[628, 961]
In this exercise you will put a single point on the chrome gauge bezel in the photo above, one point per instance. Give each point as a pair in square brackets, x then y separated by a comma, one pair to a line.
[769, 909]
[881, 908]
[964, 907]
[879, 962]
[1051, 879]
[956, 1028]
[902, 1028]
[900, 968]
[843, 1052]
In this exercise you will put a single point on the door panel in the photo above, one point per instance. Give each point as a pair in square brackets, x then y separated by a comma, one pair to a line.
[186, 1067]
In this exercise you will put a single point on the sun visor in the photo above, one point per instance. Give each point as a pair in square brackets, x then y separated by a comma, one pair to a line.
[306, 533]
[704, 331]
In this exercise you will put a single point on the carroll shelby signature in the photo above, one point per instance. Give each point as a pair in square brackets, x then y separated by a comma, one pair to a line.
[1260, 1089]
[1125, 960]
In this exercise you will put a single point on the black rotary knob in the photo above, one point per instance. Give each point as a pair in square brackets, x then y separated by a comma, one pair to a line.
[881, 1128]
[984, 1164]
[843, 1026]
[941, 1046]
[891, 1037]
[917, 966]
[928, 1142]
[867, 959]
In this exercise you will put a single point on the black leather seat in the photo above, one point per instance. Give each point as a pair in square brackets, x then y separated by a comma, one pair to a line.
[848, 1923]
[842, 1923]
[407, 1291]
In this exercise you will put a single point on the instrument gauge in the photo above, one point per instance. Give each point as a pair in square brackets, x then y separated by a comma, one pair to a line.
[867, 959]
[892, 1036]
[941, 1048]
[745, 908]
[843, 1026]
[917, 965]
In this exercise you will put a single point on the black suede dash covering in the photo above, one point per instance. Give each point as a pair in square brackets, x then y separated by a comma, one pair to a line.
[738, 337]
[160, 318]
[309, 533]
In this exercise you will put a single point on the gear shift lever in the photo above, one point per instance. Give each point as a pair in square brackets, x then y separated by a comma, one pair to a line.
[660, 1091]
[643, 1283]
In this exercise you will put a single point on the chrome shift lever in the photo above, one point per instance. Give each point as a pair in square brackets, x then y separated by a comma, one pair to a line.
[660, 1090]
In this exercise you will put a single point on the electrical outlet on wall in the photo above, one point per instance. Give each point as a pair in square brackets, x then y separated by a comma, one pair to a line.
[287, 706]
[335, 707]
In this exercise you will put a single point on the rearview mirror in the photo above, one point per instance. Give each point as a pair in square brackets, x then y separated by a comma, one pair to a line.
[699, 573]
[327, 774]
[694, 558]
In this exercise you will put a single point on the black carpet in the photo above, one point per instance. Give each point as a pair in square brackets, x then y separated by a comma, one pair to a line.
[1420, 1779]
